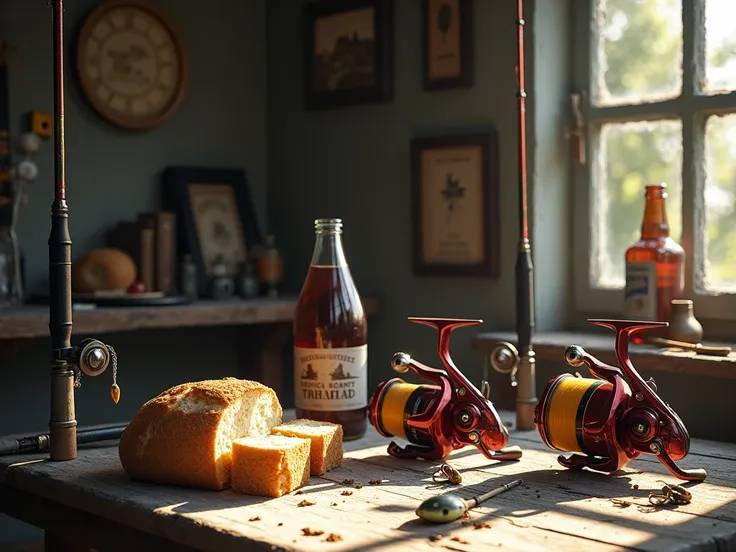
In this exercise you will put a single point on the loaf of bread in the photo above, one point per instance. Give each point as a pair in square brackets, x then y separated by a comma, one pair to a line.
[271, 465]
[326, 442]
[184, 435]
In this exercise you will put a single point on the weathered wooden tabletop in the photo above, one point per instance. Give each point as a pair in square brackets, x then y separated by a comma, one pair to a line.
[554, 509]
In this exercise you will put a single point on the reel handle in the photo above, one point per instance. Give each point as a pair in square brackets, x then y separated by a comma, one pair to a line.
[691, 474]
[505, 359]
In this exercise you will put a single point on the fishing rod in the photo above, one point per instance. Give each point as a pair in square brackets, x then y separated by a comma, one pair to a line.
[519, 363]
[90, 357]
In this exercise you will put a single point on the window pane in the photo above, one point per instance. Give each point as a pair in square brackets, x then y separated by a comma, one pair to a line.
[720, 191]
[630, 156]
[639, 51]
[720, 46]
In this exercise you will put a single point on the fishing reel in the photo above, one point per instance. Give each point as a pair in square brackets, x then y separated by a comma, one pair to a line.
[438, 418]
[609, 421]
[92, 358]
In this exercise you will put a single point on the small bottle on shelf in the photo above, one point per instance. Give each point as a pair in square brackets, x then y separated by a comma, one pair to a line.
[188, 278]
[655, 265]
[331, 339]
[270, 266]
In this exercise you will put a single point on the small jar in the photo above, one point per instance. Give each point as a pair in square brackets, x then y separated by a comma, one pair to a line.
[683, 324]
[248, 283]
[223, 285]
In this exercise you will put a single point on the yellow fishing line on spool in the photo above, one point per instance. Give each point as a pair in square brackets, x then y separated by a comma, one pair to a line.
[569, 399]
[393, 407]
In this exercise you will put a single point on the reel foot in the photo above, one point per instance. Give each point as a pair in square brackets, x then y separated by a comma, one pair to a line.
[411, 452]
[508, 453]
[597, 463]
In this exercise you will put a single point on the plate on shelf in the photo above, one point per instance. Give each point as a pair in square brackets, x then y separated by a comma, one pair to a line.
[91, 300]
[150, 299]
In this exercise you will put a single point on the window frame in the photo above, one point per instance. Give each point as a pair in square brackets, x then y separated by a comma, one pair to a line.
[692, 109]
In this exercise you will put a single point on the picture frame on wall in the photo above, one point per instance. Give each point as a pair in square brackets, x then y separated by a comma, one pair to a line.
[348, 52]
[455, 195]
[447, 37]
[216, 214]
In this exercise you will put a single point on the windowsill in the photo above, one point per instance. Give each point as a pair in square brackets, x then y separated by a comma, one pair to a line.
[550, 346]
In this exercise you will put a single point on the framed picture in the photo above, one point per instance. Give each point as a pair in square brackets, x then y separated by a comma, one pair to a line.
[455, 205]
[448, 43]
[216, 215]
[348, 52]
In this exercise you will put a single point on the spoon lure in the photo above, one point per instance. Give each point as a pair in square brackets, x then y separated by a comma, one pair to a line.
[449, 507]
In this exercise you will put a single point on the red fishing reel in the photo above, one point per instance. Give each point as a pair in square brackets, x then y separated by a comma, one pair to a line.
[437, 419]
[609, 421]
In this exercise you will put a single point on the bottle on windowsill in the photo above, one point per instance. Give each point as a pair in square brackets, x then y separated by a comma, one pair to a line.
[330, 339]
[655, 266]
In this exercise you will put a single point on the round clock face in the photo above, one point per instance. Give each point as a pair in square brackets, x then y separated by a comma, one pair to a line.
[131, 64]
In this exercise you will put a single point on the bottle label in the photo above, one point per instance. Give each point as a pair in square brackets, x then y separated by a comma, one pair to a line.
[640, 296]
[331, 379]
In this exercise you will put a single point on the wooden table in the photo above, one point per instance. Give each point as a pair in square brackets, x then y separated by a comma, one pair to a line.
[93, 503]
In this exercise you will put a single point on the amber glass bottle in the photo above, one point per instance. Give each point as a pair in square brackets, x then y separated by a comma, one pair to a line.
[655, 265]
[330, 339]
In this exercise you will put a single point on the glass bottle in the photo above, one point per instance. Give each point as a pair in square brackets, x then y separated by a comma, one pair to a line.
[270, 266]
[9, 272]
[655, 265]
[188, 278]
[331, 339]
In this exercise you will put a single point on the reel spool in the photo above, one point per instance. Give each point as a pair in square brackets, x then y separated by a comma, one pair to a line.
[436, 419]
[609, 421]
[396, 401]
[568, 405]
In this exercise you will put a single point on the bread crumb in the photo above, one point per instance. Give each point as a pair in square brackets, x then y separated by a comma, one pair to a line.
[305, 502]
[481, 525]
[308, 532]
[348, 481]
[636, 486]
[359, 486]
[299, 492]
[375, 481]
[280, 524]
[460, 540]
[255, 518]
[346, 493]
[333, 537]
[333, 503]
[467, 515]
[435, 538]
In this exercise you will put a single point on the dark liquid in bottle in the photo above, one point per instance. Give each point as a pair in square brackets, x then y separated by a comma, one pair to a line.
[330, 315]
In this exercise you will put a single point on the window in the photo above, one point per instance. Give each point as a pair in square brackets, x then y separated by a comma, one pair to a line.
[658, 79]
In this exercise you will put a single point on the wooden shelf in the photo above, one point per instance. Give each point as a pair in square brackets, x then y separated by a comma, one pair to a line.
[32, 321]
[550, 346]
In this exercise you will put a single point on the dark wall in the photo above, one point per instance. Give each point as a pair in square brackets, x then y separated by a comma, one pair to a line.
[113, 175]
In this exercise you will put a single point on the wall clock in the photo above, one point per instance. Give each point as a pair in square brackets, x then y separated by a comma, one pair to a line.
[131, 64]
